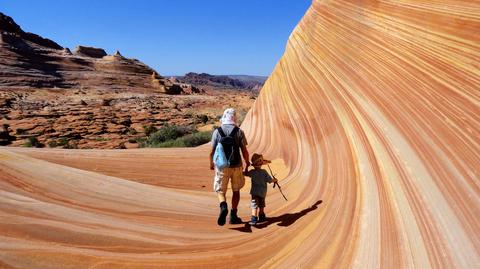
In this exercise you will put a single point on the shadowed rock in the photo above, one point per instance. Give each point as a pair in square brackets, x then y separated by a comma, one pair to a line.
[90, 52]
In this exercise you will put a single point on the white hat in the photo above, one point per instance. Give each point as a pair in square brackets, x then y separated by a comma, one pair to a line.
[229, 116]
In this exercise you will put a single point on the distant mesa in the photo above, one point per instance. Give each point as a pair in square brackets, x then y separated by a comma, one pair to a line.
[234, 82]
[90, 52]
[29, 61]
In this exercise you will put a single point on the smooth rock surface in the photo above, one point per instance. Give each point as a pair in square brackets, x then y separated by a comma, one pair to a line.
[375, 110]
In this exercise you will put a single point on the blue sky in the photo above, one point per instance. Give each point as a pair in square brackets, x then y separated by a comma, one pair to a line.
[174, 36]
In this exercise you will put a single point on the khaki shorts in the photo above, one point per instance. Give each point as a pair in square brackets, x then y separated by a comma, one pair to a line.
[220, 182]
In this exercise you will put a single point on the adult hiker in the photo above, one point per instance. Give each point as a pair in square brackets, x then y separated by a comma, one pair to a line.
[233, 140]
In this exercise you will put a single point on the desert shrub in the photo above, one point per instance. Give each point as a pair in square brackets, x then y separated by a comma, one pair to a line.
[72, 144]
[177, 143]
[203, 118]
[197, 139]
[167, 132]
[149, 129]
[190, 140]
[132, 131]
[175, 136]
[52, 144]
[20, 131]
[32, 142]
[62, 142]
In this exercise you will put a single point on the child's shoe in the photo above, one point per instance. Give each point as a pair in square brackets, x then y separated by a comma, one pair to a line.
[223, 214]
[253, 221]
[234, 219]
[262, 217]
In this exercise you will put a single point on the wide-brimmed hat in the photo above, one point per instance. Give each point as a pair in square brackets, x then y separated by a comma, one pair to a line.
[257, 160]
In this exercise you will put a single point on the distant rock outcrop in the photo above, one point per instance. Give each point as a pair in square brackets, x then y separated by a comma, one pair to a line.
[11, 32]
[30, 61]
[90, 52]
[205, 79]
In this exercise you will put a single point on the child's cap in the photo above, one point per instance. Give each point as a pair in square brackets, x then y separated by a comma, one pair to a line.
[257, 160]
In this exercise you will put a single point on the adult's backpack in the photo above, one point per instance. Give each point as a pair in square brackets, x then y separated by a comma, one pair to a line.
[230, 146]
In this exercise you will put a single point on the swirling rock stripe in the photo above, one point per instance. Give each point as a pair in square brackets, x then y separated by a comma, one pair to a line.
[375, 111]
[375, 106]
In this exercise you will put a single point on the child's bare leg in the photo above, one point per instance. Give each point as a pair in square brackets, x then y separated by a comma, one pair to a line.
[255, 212]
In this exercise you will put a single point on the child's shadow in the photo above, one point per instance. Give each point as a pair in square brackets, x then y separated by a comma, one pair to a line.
[284, 220]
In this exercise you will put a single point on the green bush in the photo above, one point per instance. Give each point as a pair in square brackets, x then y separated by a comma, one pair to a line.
[150, 129]
[52, 144]
[32, 142]
[63, 141]
[197, 139]
[175, 137]
[166, 133]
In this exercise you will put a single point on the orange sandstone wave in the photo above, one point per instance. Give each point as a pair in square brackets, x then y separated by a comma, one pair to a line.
[374, 109]
[376, 106]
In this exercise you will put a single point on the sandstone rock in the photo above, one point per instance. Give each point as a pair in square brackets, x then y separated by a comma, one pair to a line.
[90, 52]
[129, 145]
[5, 137]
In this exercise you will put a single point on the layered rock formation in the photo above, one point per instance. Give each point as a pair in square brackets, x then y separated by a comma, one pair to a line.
[30, 61]
[375, 110]
[88, 99]
[376, 107]
[204, 79]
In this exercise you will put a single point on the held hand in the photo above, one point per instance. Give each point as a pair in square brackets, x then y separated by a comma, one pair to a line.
[246, 167]
[274, 180]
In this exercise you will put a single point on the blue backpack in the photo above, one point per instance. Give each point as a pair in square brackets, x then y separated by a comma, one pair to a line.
[219, 157]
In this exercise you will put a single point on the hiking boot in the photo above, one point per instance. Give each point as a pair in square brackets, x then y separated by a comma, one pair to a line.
[253, 221]
[222, 217]
[262, 217]
[234, 219]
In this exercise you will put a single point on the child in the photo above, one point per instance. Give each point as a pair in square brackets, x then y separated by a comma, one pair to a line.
[259, 177]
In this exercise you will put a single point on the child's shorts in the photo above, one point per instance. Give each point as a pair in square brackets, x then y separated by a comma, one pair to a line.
[257, 201]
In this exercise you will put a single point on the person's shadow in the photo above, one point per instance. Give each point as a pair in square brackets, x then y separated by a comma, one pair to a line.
[284, 220]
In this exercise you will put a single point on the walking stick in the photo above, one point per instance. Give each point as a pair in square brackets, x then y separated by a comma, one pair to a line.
[276, 183]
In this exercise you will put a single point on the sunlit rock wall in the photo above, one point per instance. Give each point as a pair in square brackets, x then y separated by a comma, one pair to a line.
[375, 106]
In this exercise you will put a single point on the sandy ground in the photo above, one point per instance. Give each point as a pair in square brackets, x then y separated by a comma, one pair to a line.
[373, 118]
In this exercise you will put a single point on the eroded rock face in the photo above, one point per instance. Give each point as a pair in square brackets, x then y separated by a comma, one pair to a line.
[30, 61]
[90, 52]
[88, 99]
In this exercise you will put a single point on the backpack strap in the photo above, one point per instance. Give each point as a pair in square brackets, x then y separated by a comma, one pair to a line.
[234, 135]
[234, 131]
[220, 132]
